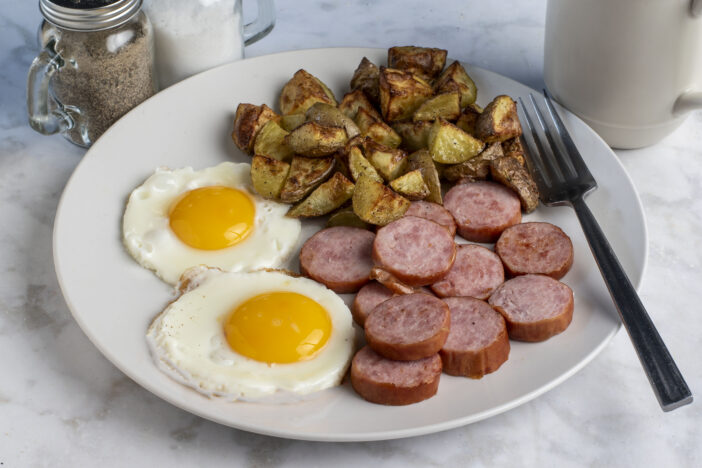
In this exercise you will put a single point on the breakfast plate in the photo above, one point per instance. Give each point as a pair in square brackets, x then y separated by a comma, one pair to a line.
[114, 300]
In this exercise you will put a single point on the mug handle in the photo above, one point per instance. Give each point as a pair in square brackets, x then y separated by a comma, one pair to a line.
[42, 70]
[696, 8]
[262, 25]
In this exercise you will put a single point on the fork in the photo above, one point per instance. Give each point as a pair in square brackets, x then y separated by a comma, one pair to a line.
[564, 179]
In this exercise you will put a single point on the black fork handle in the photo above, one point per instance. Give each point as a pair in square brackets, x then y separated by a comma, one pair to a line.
[666, 380]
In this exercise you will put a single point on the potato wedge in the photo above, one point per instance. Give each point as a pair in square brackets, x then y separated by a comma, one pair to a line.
[377, 130]
[290, 122]
[499, 121]
[324, 199]
[330, 116]
[401, 93]
[303, 90]
[415, 135]
[365, 78]
[346, 217]
[411, 185]
[514, 149]
[422, 160]
[477, 168]
[509, 172]
[455, 79]
[447, 106]
[359, 165]
[270, 142]
[389, 162]
[268, 176]
[423, 61]
[355, 100]
[304, 176]
[248, 121]
[466, 121]
[449, 144]
[375, 203]
[315, 140]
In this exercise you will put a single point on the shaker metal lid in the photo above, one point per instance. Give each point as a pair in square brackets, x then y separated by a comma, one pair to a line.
[88, 15]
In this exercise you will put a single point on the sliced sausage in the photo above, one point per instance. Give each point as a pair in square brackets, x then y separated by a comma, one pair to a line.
[477, 343]
[540, 248]
[338, 257]
[433, 212]
[395, 285]
[408, 327]
[476, 272]
[367, 298]
[417, 251]
[388, 382]
[482, 210]
[536, 307]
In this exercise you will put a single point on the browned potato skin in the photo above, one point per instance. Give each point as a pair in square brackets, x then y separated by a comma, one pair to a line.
[401, 93]
[423, 61]
[415, 135]
[365, 78]
[514, 149]
[330, 116]
[315, 140]
[355, 100]
[422, 160]
[324, 199]
[248, 121]
[455, 79]
[446, 106]
[268, 176]
[509, 172]
[466, 121]
[389, 162]
[477, 168]
[411, 185]
[375, 203]
[304, 176]
[499, 121]
[377, 130]
[302, 91]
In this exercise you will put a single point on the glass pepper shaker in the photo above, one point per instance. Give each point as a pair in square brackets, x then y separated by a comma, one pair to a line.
[96, 63]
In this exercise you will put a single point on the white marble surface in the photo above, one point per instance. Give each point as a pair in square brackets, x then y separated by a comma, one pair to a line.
[63, 404]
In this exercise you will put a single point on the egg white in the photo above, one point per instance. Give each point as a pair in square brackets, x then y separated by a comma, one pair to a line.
[149, 239]
[188, 343]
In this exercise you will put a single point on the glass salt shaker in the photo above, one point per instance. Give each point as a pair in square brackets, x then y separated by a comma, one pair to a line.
[96, 63]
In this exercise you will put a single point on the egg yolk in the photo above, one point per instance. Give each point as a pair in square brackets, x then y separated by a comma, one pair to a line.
[212, 218]
[278, 327]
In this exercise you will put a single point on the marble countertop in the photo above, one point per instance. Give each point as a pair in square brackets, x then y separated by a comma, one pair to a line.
[63, 404]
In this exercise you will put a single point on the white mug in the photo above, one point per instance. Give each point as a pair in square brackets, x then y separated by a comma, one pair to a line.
[631, 69]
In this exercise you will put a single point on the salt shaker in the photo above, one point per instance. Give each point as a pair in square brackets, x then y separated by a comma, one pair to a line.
[95, 65]
[194, 35]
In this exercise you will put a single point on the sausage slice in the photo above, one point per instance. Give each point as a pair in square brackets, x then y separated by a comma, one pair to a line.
[433, 212]
[539, 248]
[476, 272]
[408, 327]
[477, 343]
[483, 210]
[417, 251]
[388, 382]
[367, 298]
[338, 257]
[536, 307]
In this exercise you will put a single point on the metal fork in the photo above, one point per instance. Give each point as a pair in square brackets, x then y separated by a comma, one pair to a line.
[564, 179]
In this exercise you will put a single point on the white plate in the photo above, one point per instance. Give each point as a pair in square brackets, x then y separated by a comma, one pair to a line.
[114, 300]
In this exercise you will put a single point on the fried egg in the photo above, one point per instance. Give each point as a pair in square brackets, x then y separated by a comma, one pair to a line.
[253, 336]
[182, 218]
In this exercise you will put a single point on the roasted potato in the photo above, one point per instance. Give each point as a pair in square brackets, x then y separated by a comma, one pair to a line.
[291, 121]
[314, 140]
[324, 199]
[330, 116]
[365, 78]
[304, 176]
[375, 203]
[355, 100]
[302, 91]
[455, 79]
[270, 142]
[411, 185]
[477, 168]
[499, 121]
[449, 144]
[422, 61]
[422, 160]
[377, 130]
[508, 171]
[268, 176]
[401, 93]
[359, 165]
[248, 121]
[389, 162]
[514, 149]
[466, 121]
[447, 106]
[415, 135]
[346, 217]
